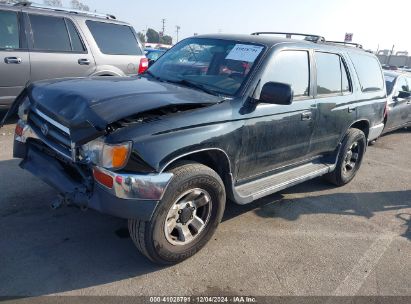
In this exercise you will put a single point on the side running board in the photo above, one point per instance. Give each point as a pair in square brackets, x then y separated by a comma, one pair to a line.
[254, 190]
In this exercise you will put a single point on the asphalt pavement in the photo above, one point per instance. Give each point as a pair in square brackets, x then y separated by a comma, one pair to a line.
[312, 239]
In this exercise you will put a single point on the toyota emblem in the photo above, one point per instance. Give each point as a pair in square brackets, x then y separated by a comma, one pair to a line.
[45, 129]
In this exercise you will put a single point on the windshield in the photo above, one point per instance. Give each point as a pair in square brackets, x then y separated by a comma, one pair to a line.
[389, 83]
[220, 66]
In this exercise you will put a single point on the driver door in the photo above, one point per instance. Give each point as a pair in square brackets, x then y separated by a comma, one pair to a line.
[399, 107]
[279, 135]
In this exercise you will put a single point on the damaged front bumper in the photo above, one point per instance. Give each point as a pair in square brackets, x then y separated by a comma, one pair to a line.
[127, 196]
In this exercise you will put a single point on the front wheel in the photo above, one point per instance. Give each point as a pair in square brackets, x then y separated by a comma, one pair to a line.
[349, 159]
[185, 219]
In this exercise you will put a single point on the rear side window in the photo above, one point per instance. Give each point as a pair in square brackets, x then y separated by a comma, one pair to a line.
[50, 33]
[9, 30]
[328, 73]
[368, 71]
[291, 67]
[332, 76]
[114, 39]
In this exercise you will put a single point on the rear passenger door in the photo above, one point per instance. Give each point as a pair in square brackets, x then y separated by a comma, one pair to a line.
[14, 56]
[334, 95]
[56, 49]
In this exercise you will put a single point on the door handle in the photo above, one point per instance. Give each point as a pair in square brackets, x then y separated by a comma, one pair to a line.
[83, 61]
[351, 109]
[306, 115]
[12, 60]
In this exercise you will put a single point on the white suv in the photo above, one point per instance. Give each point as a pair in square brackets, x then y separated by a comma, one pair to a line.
[40, 42]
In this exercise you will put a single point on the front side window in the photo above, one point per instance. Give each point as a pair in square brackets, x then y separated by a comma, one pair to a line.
[291, 67]
[222, 66]
[50, 33]
[368, 71]
[402, 85]
[389, 83]
[9, 30]
[114, 39]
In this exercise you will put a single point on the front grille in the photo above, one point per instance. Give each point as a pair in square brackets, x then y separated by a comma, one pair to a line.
[51, 133]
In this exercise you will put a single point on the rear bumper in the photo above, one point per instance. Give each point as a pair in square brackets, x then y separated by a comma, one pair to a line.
[375, 132]
[132, 195]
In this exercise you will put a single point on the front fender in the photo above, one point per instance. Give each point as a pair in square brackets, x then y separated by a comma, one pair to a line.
[161, 149]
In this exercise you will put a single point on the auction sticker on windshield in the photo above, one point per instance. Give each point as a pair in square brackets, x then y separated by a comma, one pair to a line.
[245, 52]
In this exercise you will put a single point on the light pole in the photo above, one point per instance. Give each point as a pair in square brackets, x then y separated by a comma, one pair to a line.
[177, 30]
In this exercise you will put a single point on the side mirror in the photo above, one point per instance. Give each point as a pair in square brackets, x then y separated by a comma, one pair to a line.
[403, 95]
[276, 93]
[150, 62]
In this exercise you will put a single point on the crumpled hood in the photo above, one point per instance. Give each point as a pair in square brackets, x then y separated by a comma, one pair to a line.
[82, 103]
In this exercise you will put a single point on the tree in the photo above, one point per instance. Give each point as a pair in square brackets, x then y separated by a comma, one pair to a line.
[152, 36]
[166, 39]
[55, 3]
[141, 37]
[76, 4]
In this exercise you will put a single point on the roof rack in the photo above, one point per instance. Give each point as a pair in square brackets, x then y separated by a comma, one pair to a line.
[357, 45]
[62, 9]
[307, 37]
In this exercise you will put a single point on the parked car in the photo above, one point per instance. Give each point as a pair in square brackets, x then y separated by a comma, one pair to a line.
[165, 149]
[40, 42]
[154, 54]
[389, 67]
[398, 113]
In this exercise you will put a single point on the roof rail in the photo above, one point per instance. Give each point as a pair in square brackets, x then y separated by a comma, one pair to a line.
[63, 9]
[357, 45]
[307, 37]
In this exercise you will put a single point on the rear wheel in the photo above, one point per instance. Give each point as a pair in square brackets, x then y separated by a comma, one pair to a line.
[350, 158]
[185, 219]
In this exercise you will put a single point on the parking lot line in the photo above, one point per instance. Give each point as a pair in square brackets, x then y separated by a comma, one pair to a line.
[353, 282]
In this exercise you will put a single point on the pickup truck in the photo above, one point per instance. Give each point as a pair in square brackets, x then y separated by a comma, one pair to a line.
[217, 117]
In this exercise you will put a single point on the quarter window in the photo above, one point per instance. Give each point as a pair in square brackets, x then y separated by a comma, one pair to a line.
[291, 67]
[368, 70]
[114, 39]
[9, 30]
[50, 33]
[76, 43]
[345, 81]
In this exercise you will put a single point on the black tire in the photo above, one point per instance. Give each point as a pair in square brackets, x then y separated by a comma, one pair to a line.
[341, 176]
[150, 237]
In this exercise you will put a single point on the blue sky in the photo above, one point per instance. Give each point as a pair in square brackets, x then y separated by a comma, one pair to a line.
[372, 22]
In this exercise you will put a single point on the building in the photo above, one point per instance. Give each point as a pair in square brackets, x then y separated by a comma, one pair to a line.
[401, 58]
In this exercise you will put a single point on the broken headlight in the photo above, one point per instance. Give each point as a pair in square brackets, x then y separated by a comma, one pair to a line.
[109, 156]
[24, 109]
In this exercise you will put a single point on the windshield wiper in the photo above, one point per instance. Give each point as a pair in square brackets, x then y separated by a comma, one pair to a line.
[194, 85]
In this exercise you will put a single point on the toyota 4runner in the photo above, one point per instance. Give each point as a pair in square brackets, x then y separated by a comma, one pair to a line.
[216, 117]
